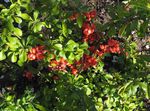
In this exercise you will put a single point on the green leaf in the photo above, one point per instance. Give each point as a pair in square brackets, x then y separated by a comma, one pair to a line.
[55, 10]
[30, 39]
[38, 27]
[148, 90]
[40, 107]
[148, 5]
[35, 14]
[20, 63]
[23, 56]
[9, 98]
[18, 20]
[71, 56]
[10, 25]
[122, 30]
[2, 6]
[13, 43]
[125, 87]
[58, 46]
[84, 45]
[17, 32]
[112, 31]
[64, 29]
[134, 89]
[100, 66]
[108, 76]
[133, 44]
[71, 42]
[71, 45]
[62, 54]
[88, 90]
[2, 55]
[78, 57]
[80, 21]
[25, 16]
[14, 58]
[145, 87]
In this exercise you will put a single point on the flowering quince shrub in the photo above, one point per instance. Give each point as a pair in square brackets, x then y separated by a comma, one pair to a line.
[56, 57]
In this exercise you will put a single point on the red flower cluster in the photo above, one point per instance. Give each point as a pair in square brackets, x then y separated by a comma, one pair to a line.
[74, 70]
[28, 75]
[36, 53]
[90, 15]
[94, 37]
[112, 46]
[92, 49]
[61, 65]
[58, 65]
[87, 29]
[83, 64]
[86, 62]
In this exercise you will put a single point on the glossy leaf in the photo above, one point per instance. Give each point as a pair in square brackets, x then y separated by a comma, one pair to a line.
[14, 58]
[2, 55]
[17, 32]
[23, 56]
[58, 46]
[80, 21]
[38, 27]
[25, 16]
[18, 20]
[35, 14]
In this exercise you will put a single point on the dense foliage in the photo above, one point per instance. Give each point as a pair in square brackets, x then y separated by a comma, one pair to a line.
[55, 55]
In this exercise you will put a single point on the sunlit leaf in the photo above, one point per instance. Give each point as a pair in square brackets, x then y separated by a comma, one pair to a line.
[2, 55]
[17, 32]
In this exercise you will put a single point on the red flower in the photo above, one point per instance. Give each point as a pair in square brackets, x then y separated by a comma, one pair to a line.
[74, 71]
[114, 49]
[31, 56]
[74, 16]
[54, 63]
[92, 48]
[85, 38]
[33, 51]
[104, 48]
[112, 42]
[58, 65]
[37, 53]
[92, 61]
[92, 38]
[28, 75]
[40, 56]
[99, 53]
[88, 28]
[40, 48]
[90, 15]
[114, 46]
[88, 61]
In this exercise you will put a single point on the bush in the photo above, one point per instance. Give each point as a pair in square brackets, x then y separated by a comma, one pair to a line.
[54, 56]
